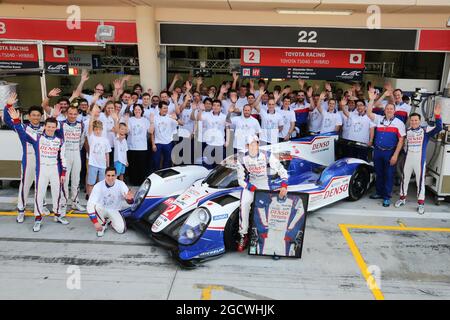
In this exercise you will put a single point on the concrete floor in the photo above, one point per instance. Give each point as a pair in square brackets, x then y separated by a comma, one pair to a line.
[411, 264]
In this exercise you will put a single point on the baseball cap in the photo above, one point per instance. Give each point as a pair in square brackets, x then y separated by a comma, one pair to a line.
[252, 138]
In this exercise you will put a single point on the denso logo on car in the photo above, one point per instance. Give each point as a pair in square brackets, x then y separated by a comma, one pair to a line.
[320, 146]
[220, 217]
[335, 191]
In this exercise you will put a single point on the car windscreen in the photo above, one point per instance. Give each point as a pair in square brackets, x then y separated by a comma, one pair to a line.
[222, 177]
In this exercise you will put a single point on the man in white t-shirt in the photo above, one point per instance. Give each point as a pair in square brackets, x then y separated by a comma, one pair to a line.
[360, 130]
[243, 126]
[288, 120]
[271, 124]
[315, 117]
[216, 136]
[107, 198]
[163, 127]
[331, 121]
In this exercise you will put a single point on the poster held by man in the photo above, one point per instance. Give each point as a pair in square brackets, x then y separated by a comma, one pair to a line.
[278, 224]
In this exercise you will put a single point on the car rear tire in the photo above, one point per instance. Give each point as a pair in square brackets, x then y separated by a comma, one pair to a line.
[231, 231]
[359, 183]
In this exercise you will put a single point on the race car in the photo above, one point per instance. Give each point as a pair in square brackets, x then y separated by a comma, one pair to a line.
[195, 213]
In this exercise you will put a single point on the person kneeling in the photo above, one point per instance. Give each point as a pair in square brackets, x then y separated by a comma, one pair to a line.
[105, 201]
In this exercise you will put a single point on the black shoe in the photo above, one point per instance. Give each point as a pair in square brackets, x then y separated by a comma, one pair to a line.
[375, 196]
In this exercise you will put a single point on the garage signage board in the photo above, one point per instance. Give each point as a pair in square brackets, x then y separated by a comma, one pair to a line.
[287, 37]
[278, 224]
[335, 65]
[18, 56]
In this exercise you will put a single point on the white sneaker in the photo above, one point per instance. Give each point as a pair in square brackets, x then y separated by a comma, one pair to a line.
[37, 225]
[20, 216]
[421, 209]
[45, 211]
[400, 202]
[62, 220]
[78, 207]
[102, 232]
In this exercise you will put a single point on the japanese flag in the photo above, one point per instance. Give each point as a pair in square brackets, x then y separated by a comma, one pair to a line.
[355, 58]
[59, 53]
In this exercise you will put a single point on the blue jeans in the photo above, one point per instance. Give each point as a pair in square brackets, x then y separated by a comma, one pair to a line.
[384, 172]
[164, 151]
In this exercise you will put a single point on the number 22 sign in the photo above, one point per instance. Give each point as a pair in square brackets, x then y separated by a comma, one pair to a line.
[252, 56]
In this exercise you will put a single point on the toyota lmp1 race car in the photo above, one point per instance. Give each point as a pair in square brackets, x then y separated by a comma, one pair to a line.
[194, 212]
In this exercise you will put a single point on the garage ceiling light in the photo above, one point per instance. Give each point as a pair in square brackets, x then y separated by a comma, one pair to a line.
[314, 12]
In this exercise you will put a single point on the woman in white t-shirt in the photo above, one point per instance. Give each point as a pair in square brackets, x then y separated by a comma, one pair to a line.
[163, 127]
[138, 129]
[185, 146]
[110, 124]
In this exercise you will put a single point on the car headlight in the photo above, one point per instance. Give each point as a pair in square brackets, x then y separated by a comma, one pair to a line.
[194, 226]
[140, 194]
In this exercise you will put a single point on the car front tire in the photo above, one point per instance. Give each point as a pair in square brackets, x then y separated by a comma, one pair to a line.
[359, 183]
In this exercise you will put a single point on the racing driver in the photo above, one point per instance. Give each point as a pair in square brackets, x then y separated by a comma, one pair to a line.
[253, 171]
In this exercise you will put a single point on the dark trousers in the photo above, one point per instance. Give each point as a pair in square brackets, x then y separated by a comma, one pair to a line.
[213, 155]
[83, 171]
[358, 152]
[137, 166]
[111, 158]
[163, 151]
[384, 172]
[303, 127]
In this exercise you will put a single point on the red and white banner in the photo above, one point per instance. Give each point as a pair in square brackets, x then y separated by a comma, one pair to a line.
[434, 40]
[311, 58]
[18, 56]
[333, 65]
[57, 30]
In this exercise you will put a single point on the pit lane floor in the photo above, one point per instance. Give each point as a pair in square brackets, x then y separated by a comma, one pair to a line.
[346, 246]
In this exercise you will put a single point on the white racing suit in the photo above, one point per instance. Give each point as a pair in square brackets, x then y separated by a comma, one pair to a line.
[50, 166]
[253, 173]
[105, 202]
[416, 152]
[276, 220]
[28, 172]
[73, 135]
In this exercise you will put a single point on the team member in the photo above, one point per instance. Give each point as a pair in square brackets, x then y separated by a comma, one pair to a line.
[217, 134]
[271, 124]
[73, 133]
[315, 117]
[107, 198]
[331, 121]
[416, 150]
[50, 165]
[253, 171]
[163, 127]
[138, 130]
[120, 151]
[389, 136]
[288, 119]
[402, 109]
[186, 130]
[99, 90]
[301, 109]
[243, 126]
[99, 150]
[28, 172]
[360, 129]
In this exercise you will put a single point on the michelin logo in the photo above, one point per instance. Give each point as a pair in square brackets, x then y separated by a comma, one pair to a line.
[212, 252]
[222, 216]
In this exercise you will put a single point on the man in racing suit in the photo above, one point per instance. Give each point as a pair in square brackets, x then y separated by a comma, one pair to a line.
[278, 219]
[106, 199]
[50, 165]
[28, 157]
[253, 171]
[417, 138]
[73, 133]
